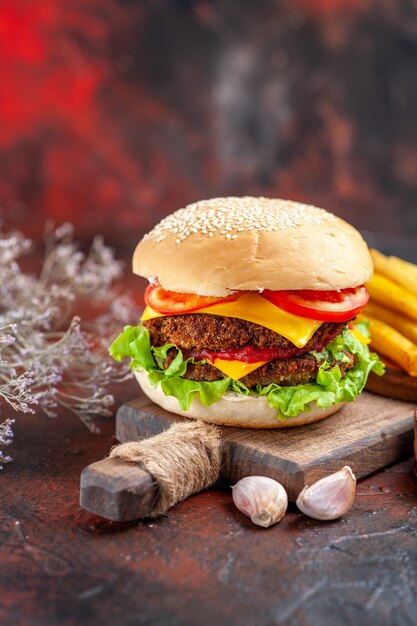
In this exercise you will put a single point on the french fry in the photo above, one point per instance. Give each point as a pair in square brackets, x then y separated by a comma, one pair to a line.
[392, 344]
[411, 267]
[397, 270]
[388, 293]
[404, 325]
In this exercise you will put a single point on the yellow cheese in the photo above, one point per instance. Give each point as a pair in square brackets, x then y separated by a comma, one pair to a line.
[252, 307]
[356, 333]
[236, 369]
[150, 314]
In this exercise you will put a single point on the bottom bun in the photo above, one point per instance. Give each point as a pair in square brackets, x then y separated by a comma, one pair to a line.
[233, 409]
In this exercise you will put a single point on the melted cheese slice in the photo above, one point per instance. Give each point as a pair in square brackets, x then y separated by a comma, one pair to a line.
[236, 369]
[251, 307]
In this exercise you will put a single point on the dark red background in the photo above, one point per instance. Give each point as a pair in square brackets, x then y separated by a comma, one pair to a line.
[114, 113]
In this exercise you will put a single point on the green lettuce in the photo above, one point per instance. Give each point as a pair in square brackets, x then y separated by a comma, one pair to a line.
[134, 342]
[328, 389]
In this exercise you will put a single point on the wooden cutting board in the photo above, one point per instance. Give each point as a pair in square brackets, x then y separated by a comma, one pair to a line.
[368, 434]
[395, 383]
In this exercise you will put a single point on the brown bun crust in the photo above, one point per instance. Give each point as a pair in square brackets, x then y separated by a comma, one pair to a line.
[216, 246]
[232, 410]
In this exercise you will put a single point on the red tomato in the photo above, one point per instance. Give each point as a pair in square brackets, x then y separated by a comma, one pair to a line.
[327, 306]
[173, 303]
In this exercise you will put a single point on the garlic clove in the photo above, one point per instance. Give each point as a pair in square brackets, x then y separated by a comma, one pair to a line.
[329, 498]
[262, 499]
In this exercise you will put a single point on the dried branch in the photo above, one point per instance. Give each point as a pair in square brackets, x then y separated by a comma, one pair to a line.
[48, 358]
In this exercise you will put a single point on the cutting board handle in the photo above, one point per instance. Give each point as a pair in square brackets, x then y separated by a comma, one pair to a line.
[147, 477]
[117, 490]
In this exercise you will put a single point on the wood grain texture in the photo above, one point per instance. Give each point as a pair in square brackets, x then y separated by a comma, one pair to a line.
[367, 435]
[203, 564]
[415, 442]
[394, 384]
[117, 490]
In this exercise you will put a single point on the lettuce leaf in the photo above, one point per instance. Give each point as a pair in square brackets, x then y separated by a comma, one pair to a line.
[329, 388]
[134, 342]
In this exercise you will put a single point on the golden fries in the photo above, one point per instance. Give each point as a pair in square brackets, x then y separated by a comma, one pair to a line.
[391, 343]
[388, 293]
[401, 272]
[392, 310]
[403, 324]
[406, 265]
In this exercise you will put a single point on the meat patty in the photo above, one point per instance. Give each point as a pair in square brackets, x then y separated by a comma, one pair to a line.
[196, 331]
[296, 371]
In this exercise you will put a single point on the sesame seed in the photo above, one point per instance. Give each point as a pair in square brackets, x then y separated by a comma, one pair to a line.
[235, 215]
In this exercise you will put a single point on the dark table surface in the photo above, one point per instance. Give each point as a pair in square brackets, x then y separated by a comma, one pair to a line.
[204, 563]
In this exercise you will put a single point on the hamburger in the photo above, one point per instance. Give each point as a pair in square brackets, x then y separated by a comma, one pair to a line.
[249, 313]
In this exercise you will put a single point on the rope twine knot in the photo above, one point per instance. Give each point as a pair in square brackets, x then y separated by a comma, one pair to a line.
[182, 460]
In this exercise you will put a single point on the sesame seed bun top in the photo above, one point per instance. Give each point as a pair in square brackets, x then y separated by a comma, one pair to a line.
[217, 246]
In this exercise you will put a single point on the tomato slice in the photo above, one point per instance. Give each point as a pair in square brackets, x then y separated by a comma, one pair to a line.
[174, 303]
[327, 306]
